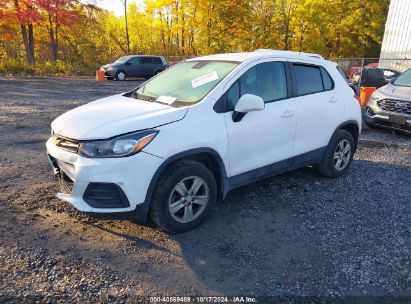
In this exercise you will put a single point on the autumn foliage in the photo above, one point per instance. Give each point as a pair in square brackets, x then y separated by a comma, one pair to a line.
[75, 37]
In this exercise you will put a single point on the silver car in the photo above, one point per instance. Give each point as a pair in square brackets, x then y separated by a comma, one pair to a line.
[390, 106]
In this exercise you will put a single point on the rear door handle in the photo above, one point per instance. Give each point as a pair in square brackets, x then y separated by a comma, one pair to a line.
[287, 113]
[333, 99]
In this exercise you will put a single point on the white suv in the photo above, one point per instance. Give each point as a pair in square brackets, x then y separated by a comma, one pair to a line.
[183, 139]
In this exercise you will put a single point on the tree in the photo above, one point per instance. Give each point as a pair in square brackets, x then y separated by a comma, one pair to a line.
[125, 20]
[26, 14]
[58, 13]
[78, 38]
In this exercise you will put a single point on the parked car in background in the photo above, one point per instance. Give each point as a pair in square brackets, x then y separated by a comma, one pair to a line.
[172, 146]
[135, 66]
[390, 106]
[370, 77]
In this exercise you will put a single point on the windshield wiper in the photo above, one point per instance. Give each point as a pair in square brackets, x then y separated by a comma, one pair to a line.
[145, 97]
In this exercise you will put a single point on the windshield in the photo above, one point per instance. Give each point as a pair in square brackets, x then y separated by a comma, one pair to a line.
[122, 59]
[404, 79]
[186, 83]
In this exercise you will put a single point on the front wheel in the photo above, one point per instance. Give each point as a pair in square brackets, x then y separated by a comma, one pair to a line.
[338, 155]
[121, 76]
[183, 196]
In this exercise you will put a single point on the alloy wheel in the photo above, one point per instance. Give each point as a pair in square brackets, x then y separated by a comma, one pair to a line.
[342, 155]
[188, 199]
[121, 76]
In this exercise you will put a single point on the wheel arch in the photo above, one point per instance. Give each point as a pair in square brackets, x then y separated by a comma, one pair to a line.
[207, 156]
[353, 128]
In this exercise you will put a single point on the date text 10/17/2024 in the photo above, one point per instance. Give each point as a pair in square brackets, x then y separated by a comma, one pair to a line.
[199, 299]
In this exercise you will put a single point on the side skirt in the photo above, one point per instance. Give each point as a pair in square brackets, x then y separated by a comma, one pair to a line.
[305, 159]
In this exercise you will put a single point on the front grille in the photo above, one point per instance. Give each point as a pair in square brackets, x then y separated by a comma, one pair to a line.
[395, 106]
[67, 144]
[105, 195]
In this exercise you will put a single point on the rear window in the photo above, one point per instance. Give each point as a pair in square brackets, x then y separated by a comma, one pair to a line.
[157, 60]
[308, 79]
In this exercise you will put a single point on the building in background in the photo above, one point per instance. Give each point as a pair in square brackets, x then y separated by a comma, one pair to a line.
[396, 45]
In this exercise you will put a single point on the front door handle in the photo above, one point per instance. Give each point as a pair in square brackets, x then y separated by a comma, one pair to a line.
[287, 113]
[333, 99]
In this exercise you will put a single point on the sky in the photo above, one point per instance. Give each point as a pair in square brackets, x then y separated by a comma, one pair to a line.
[116, 6]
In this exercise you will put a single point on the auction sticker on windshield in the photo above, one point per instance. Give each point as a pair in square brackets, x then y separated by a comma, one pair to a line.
[204, 79]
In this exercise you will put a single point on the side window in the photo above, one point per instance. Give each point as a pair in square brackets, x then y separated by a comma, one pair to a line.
[308, 79]
[233, 95]
[267, 80]
[327, 80]
[134, 61]
[146, 60]
[157, 60]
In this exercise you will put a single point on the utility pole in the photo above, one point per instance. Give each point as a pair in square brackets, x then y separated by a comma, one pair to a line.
[125, 18]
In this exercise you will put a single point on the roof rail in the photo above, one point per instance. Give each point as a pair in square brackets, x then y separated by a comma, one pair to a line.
[290, 52]
[314, 55]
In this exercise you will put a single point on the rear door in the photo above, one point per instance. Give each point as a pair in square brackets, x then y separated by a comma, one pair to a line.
[317, 106]
[147, 66]
[157, 65]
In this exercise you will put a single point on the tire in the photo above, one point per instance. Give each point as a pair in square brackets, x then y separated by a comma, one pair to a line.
[169, 195]
[121, 75]
[369, 125]
[330, 166]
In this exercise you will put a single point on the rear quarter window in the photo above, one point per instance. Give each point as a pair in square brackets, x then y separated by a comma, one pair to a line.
[327, 80]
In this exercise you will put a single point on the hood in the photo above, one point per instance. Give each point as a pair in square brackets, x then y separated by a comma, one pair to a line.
[396, 92]
[106, 66]
[112, 116]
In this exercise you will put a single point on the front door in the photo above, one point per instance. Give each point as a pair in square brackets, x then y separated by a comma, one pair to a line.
[133, 67]
[265, 137]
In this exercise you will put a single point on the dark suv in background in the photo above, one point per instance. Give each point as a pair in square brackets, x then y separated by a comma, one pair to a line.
[135, 66]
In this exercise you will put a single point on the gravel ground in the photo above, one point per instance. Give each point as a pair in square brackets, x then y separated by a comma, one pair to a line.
[294, 235]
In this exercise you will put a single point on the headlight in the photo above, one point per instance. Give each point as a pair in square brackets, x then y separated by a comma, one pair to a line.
[120, 146]
[376, 96]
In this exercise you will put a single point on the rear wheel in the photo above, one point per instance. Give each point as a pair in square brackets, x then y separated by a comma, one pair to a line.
[121, 75]
[339, 154]
[183, 196]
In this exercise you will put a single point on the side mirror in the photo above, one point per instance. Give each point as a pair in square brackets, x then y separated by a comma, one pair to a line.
[247, 103]
[127, 63]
